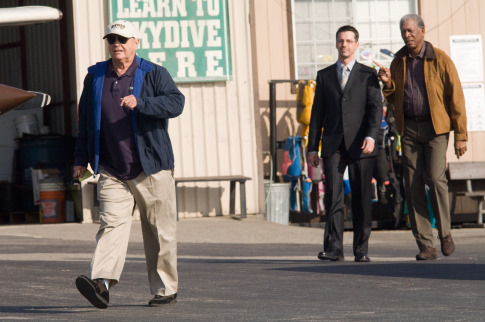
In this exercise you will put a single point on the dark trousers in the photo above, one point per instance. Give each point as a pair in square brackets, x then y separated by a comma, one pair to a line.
[360, 177]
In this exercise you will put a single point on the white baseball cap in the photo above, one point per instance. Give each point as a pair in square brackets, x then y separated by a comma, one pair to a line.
[123, 28]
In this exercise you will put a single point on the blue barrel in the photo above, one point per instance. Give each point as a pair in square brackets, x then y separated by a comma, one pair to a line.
[44, 152]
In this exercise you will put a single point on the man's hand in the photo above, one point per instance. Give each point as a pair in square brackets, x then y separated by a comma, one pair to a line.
[460, 148]
[384, 74]
[368, 146]
[78, 171]
[313, 159]
[129, 101]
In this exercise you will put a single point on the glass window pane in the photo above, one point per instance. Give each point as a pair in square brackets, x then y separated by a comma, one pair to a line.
[316, 22]
[304, 31]
[305, 54]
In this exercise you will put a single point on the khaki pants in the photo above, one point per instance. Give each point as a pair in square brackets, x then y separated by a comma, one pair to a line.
[424, 162]
[155, 197]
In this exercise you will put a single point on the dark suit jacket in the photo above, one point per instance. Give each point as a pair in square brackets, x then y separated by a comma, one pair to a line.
[352, 115]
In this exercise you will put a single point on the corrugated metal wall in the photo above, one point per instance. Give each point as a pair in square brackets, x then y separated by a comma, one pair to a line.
[44, 65]
[444, 18]
[273, 48]
[274, 62]
[43, 61]
[10, 65]
[216, 133]
[41, 72]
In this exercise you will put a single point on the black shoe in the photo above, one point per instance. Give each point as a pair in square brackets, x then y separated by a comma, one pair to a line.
[330, 257]
[159, 300]
[94, 291]
[362, 259]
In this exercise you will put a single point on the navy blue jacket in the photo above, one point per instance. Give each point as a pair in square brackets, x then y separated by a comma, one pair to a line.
[158, 100]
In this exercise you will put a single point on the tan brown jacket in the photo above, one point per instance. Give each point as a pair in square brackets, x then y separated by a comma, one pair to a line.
[443, 86]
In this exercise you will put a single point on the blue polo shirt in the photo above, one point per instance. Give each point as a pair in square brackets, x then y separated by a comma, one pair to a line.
[117, 151]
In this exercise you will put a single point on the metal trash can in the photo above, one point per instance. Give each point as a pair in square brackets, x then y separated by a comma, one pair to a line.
[277, 196]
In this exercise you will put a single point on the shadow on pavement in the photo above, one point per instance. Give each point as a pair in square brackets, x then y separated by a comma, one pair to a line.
[57, 309]
[434, 270]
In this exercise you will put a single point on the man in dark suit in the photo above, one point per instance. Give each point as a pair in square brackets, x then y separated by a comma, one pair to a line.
[348, 108]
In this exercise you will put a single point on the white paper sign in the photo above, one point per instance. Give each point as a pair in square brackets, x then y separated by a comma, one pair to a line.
[466, 53]
[475, 106]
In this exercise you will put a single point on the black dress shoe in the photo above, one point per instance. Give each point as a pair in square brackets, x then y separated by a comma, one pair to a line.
[362, 259]
[159, 300]
[330, 257]
[94, 291]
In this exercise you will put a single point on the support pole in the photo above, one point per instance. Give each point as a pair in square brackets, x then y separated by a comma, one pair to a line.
[272, 125]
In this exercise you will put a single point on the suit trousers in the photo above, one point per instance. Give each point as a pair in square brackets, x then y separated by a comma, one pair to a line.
[360, 177]
[155, 197]
[424, 163]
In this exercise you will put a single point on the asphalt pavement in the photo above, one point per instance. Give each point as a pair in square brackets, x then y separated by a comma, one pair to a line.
[233, 269]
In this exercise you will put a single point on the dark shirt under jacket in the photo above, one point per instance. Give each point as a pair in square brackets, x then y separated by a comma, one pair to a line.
[118, 153]
[415, 97]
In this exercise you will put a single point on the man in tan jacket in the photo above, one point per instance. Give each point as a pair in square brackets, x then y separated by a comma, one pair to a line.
[428, 101]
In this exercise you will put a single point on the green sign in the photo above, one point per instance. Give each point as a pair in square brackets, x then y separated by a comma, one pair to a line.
[188, 37]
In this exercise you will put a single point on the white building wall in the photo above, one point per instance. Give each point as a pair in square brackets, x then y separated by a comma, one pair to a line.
[215, 135]
[90, 18]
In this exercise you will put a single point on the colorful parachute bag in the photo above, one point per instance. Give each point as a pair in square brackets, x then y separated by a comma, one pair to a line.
[307, 183]
[304, 103]
[296, 174]
[292, 169]
[292, 159]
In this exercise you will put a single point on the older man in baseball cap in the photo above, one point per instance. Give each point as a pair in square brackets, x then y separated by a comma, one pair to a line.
[123, 135]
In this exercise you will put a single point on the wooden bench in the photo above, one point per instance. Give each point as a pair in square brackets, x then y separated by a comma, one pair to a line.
[232, 195]
[470, 171]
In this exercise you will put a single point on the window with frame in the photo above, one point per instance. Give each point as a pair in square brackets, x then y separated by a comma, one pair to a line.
[315, 23]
